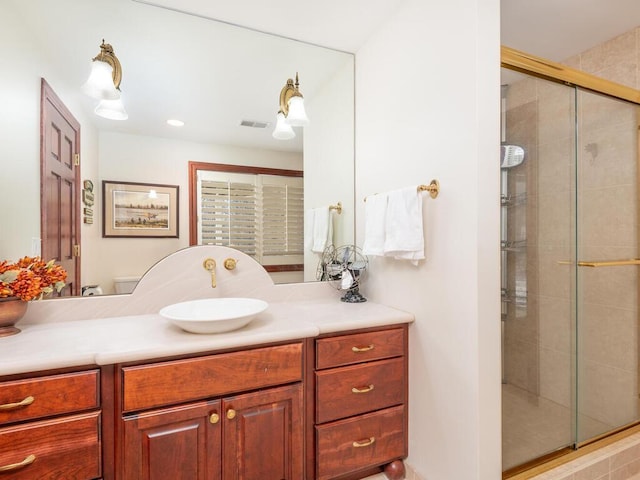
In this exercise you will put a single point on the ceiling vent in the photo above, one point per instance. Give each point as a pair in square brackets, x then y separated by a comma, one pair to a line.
[253, 124]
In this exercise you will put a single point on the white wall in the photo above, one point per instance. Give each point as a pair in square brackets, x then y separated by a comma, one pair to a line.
[20, 133]
[427, 106]
[328, 158]
[136, 158]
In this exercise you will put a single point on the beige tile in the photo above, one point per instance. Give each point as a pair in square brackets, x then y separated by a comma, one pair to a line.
[607, 394]
[630, 470]
[556, 376]
[608, 335]
[608, 156]
[607, 217]
[555, 279]
[624, 457]
[521, 92]
[521, 364]
[556, 169]
[620, 49]
[556, 324]
[593, 471]
[612, 286]
[555, 222]
[556, 112]
[596, 111]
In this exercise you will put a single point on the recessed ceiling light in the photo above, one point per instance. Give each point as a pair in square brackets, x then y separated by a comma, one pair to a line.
[175, 123]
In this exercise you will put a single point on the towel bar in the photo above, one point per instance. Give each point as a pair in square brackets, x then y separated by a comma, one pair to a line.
[433, 188]
[337, 208]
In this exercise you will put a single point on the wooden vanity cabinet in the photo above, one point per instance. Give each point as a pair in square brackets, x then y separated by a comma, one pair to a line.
[50, 426]
[360, 412]
[230, 416]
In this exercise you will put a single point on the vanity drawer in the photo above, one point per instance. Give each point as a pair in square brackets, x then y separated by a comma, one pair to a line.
[356, 443]
[346, 391]
[46, 396]
[167, 383]
[63, 448]
[359, 347]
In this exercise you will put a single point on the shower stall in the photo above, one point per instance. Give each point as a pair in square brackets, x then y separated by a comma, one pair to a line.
[570, 265]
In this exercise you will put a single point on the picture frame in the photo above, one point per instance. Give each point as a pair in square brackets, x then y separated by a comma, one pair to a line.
[139, 210]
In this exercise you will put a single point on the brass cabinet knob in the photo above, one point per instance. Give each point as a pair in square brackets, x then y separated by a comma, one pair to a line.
[231, 414]
[230, 263]
[214, 418]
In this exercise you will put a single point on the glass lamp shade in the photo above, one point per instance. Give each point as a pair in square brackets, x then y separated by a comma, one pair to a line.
[112, 109]
[297, 116]
[100, 82]
[283, 131]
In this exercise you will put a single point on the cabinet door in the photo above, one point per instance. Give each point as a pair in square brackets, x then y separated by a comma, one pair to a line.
[263, 435]
[180, 443]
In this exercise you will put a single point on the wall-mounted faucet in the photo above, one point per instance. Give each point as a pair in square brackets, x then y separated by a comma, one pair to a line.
[210, 266]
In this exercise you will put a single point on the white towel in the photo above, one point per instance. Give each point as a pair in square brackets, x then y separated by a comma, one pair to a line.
[322, 229]
[375, 211]
[404, 234]
[309, 219]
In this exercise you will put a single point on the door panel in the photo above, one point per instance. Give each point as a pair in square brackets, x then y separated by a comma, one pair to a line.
[60, 227]
[178, 443]
[607, 294]
[263, 436]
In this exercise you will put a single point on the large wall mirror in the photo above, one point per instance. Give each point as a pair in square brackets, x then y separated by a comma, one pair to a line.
[222, 80]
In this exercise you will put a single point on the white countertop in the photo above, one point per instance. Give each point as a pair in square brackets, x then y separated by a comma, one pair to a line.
[105, 341]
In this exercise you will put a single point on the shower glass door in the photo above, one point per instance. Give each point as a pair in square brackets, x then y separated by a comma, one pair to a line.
[569, 267]
[538, 270]
[607, 272]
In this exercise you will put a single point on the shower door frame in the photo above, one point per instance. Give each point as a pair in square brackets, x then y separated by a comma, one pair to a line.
[539, 67]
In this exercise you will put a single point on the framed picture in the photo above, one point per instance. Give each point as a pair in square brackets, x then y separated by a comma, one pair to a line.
[139, 210]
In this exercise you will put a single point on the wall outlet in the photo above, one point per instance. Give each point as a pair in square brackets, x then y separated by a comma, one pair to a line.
[35, 247]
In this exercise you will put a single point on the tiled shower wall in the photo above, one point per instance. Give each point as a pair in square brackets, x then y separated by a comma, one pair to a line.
[539, 336]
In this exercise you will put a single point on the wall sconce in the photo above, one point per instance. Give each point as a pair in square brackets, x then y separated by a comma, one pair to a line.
[104, 84]
[292, 112]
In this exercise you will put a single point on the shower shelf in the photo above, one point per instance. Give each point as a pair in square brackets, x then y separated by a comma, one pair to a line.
[516, 246]
[513, 200]
[519, 299]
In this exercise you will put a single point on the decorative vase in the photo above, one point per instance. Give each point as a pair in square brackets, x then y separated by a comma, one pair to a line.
[12, 309]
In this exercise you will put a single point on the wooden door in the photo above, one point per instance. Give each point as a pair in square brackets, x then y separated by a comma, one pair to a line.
[263, 435]
[59, 191]
[178, 443]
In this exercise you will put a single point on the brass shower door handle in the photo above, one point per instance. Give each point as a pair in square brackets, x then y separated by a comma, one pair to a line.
[610, 263]
[604, 263]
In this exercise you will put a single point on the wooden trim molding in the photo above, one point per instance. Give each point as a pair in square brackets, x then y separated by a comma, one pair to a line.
[221, 167]
[530, 64]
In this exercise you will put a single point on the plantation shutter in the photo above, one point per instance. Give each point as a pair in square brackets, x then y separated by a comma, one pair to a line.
[260, 215]
[282, 207]
[228, 214]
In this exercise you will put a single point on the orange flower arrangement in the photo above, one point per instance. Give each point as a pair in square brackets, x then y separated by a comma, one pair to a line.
[30, 278]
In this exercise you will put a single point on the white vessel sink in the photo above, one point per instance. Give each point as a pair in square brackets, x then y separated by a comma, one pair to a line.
[214, 315]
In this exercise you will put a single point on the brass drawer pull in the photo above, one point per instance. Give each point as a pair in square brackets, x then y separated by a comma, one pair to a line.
[366, 389]
[231, 414]
[366, 348]
[364, 443]
[15, 466]
[214, 418]
[12, 406]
